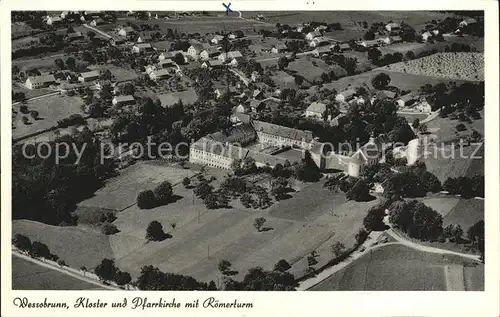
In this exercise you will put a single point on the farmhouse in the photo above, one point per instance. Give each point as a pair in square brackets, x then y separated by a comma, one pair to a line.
[345, 95]
[142, 48]
[53, 20]
[426, 36]
[126, 31]
[209, 53]
[316, 110]
[96, 22]
[467, 22]
[367, 44]
[242, 108]
[223, 57]
[240, 118]
[172, 55]
[319, 41]
[123, 100]
[393, 27]
[195, 50]
[117, 40]
[256, 105]
[216, 39]
[279, 48]
[322, 51]
[74, 36]
[213, 64]
[89, 76]
[159, 74]
[144, 38]
[406, 100]
[36, 82]
[311, 35]
[166, 63]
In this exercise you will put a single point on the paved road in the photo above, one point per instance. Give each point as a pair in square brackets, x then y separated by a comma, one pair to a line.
[97, 31]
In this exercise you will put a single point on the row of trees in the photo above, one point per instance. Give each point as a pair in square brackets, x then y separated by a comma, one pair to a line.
[35, 249]
[467, 187]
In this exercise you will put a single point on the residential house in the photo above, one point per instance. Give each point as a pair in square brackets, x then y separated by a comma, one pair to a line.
[393, 27]
[236, 61]
[96, 22]
[239, 118]
[172, 55]
[89, 76]
[209, 53]
[216, 39]
[117, 40]
[316, 110]
[243, 108]
[406, 100]
[426, 36]
[53, 20]
[254, 76]
[257, 94]
[74, 36]
[322, 51]
[159, 74]
[397, 39]
[35, 82]
[467, 22]
[311, 35]
[123, 100]
[195, 50]
[142, 48]
[212, 64]
[368, 44]
[166, 63]
[126, 31]
[346, 95]
[256, 105]
[319, 41]
[342, 47]
[279, 48]
[321, 28]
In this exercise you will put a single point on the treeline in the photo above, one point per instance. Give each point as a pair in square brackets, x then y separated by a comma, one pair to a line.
[35, 249]
[47, 189]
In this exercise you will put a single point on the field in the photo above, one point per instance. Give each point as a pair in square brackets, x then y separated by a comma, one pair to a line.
[187, 97]
[77, 246]
[399, 80]
[465, 213]
[30, 276]
[399, 268]
[30, 93]
[121, 74]
[403, 48]
[51, 109]
[121, 192]
[460, 66]
[43, 64]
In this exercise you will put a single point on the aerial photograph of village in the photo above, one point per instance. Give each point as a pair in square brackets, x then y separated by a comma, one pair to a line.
[253, 150]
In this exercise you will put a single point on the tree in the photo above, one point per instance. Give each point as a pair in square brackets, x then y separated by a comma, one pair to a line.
[154, 231]
[381, 81]
[146, 199]
[410, 55]
[338, 248]
[91, 35]
[163, 192]
[374, 55]
[422, 128]
[225, 268]
[361, 236]
[122, 278]
[71, 63]
[186, 182]
[282, 266]
[203, 189]
[457, 234]
[476, 235]
[246, 200]
[211, 201]
[61, 262]
[179, 59]
[374, 219]
[34, 114]
[106, 270]
[21, 242]
[259, 222]
[359, 192]
[283, 62]
[416, 123]
[279, 188]
[109, 229]
[369, 36]
[307, 170]
[59, 63]
[128, 89]
[416, 219]
[40, 250]
[151, 279]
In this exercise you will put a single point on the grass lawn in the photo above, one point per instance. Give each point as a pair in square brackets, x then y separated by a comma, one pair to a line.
[399, 268]
[465, 213]
[30, 276]
[30, 93]
[51, 109]
[43, 64]
[187, 97]
[121, 192]
[77, 246]
[445, 162]
[443, 205]
[399, 80]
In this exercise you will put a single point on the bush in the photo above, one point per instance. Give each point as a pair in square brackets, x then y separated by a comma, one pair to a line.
[163, 192]
[22, 242]
[381, 81]
[374, 220]
[109, 229]
[40, 250]
[460, 127]
[146, 199]
[359, 192]
[154, 231]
